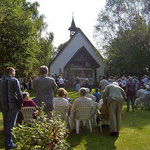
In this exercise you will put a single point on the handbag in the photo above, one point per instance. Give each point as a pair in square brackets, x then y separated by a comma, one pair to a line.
[105, 112]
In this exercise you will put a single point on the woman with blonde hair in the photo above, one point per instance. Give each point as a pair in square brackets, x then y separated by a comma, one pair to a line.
[61, 105]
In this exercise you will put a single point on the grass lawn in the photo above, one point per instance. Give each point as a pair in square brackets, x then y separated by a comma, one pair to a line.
[134, 133]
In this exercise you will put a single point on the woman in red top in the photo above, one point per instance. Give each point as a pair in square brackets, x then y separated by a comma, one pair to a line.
[26, 103]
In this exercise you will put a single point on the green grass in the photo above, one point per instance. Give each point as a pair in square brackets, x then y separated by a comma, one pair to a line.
[134, 133]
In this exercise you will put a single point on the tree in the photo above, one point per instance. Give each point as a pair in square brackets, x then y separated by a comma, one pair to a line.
[56, 50]
[119, 15]
[129, 53]
[124, 28]
[46, 49]
[20, 36]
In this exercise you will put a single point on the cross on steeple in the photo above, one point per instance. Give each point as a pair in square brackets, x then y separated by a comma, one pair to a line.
[73, 27]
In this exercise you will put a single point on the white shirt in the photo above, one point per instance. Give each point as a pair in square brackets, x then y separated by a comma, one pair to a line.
[103, 83]
[91, 96]
[140, 93]
[123, 83]
[145, 80]
[60, 101]
[61, 81]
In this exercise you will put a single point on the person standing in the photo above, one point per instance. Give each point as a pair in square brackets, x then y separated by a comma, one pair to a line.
[77, 84]
[44, 87]
[102, 84]
[10, 103]
[131, 93]
[113, 96]
[61, 82]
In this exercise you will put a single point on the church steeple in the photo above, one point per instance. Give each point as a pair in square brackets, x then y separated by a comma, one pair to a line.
[72, 28]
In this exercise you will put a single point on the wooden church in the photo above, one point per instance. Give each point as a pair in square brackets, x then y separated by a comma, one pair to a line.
[78, 57]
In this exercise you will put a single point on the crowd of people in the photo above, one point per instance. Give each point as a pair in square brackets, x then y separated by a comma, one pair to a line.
[109, 101]
[134, 88]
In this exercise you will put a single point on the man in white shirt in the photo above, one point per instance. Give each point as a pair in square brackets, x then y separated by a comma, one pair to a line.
[61, 82]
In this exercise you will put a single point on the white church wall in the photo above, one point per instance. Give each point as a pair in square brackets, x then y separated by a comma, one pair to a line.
[76, 43]
[89, 47]
[64, 57]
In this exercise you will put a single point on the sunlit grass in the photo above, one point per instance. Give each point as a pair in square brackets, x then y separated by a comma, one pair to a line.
[134, 133]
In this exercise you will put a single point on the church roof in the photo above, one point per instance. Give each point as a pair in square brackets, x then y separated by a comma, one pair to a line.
[70, 40]
[73, 26]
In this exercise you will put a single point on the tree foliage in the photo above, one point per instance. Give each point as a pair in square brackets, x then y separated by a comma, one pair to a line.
[47, 49]
[56, 50]
[129, 53]
[20, 36]
[120, 15]
[124, 28]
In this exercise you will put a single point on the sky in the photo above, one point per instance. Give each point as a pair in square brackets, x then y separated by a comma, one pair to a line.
[58, 15]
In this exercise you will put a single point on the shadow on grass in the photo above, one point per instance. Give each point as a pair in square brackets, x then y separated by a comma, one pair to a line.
[92, 141]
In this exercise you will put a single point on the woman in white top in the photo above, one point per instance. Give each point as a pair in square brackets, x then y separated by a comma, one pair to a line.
[61, 105]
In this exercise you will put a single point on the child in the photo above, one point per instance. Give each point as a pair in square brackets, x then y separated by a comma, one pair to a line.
[97, 95]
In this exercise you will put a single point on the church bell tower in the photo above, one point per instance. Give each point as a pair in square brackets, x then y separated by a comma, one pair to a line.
[72, 28]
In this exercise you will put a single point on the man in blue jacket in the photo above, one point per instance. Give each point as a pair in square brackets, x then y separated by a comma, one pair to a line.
[10, 103]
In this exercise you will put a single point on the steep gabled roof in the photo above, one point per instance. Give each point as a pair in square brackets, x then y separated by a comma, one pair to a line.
[70, 40]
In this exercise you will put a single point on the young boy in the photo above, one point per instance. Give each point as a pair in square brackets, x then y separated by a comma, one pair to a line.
[97, 95]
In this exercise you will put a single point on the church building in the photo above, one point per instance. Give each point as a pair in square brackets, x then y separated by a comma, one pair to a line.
[78, 57]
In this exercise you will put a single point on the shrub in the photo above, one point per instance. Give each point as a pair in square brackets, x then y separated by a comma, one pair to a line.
[42, 133]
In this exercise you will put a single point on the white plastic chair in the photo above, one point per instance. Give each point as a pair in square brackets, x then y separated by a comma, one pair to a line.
[94, 112]
[100, 120]
[27, 113]
[63, 112]
[84, 115]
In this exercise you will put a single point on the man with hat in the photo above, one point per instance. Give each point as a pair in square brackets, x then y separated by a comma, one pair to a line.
[113, 96]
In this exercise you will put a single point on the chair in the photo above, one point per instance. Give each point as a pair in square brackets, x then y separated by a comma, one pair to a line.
[27, 113]
[84, 115]
[63, 112]
[100, 120]
[94, 112]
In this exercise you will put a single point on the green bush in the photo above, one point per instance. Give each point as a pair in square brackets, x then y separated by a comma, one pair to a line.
[42, 133]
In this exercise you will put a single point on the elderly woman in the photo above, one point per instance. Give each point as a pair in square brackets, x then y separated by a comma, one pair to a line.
[82, 101]
[61, 105]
